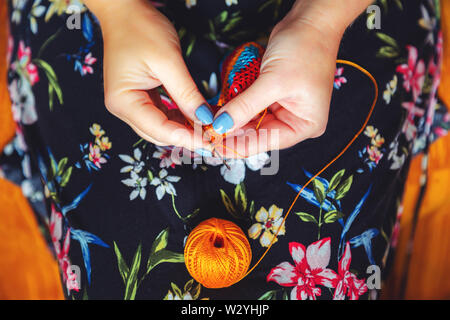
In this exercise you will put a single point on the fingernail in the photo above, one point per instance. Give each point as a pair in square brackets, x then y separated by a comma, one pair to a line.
[223, 123]
[203, 152]
[204, 114]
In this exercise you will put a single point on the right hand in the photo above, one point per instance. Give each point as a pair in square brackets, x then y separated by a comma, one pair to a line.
[142, 52]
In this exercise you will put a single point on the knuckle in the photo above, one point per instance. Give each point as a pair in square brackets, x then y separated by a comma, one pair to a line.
[111, 103]
[320, 129]
[114, 101]
[158, 143]
[278, 84]
[151, 138]
[171, 139]
[246, 108]
[287, 144]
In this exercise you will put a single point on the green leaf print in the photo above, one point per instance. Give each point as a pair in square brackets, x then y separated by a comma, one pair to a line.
[160, 242]
[123, 268]
[158, 254]
[228, 203]
[343, 188]
[240, 209]
[306, 217]
[132, 279]
[53, 84]
[66, 177]
[319, 191]
[163, 256]
[240, 197]
[334, 182]
[332, 216]
[269, 295]
[392, 50]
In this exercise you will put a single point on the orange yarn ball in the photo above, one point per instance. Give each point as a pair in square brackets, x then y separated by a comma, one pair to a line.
[217, 253]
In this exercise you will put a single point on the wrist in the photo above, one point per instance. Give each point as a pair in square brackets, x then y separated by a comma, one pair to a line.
[330, 16]
[106, 10]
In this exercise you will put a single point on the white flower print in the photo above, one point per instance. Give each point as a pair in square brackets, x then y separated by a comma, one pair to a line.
[190, 3]
[30, 192]
[257, 161]
[37, 10]
[170, 156]
[23, 103]
[17, 6]
[397, 161]
[163, 184]
[231, 2]
[138, 183]
[135, 163]
[428, 23]
[175, 296]
[211, 87]
[391, 89]
[235, 174]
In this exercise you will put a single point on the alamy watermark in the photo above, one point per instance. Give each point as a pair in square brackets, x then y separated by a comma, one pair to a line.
[73, 22]
[374, 280]
[236, 148]
[374, 17]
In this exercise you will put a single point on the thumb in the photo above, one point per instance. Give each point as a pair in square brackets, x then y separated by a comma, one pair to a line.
[183, 90]
[242, 108]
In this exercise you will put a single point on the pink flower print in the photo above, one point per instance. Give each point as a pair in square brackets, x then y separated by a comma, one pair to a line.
[413, 73]
[409, 127]
[69, 277]
[55, 227]
[95, 155]
[374, 153]
[308, 271]
[170, 156]
[72, 282]
[396, 231]
[24, 60]
[440, 46]
[171, 105]
[339, 80]
[89, 60]
[347, 282]
[435, 71]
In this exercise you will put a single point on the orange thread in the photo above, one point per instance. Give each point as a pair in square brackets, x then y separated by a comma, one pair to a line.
[217, 253]
[215, 268]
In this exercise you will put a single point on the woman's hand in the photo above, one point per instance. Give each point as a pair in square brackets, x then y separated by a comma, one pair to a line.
[142, 52]
[295, 81]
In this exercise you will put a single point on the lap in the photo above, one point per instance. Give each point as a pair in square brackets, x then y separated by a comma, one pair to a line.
[111, 196]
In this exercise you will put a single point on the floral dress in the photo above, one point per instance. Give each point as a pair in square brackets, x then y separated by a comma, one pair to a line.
[118, 209]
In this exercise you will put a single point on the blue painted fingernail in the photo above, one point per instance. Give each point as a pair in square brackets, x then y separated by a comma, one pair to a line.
[204, 114]
[203, 152]
[223, 123]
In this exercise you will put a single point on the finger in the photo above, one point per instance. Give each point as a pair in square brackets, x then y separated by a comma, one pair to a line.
[146, 136]
[136, 109]
[273, 134]
[183, 90]
[206, 150]
[241, 109]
